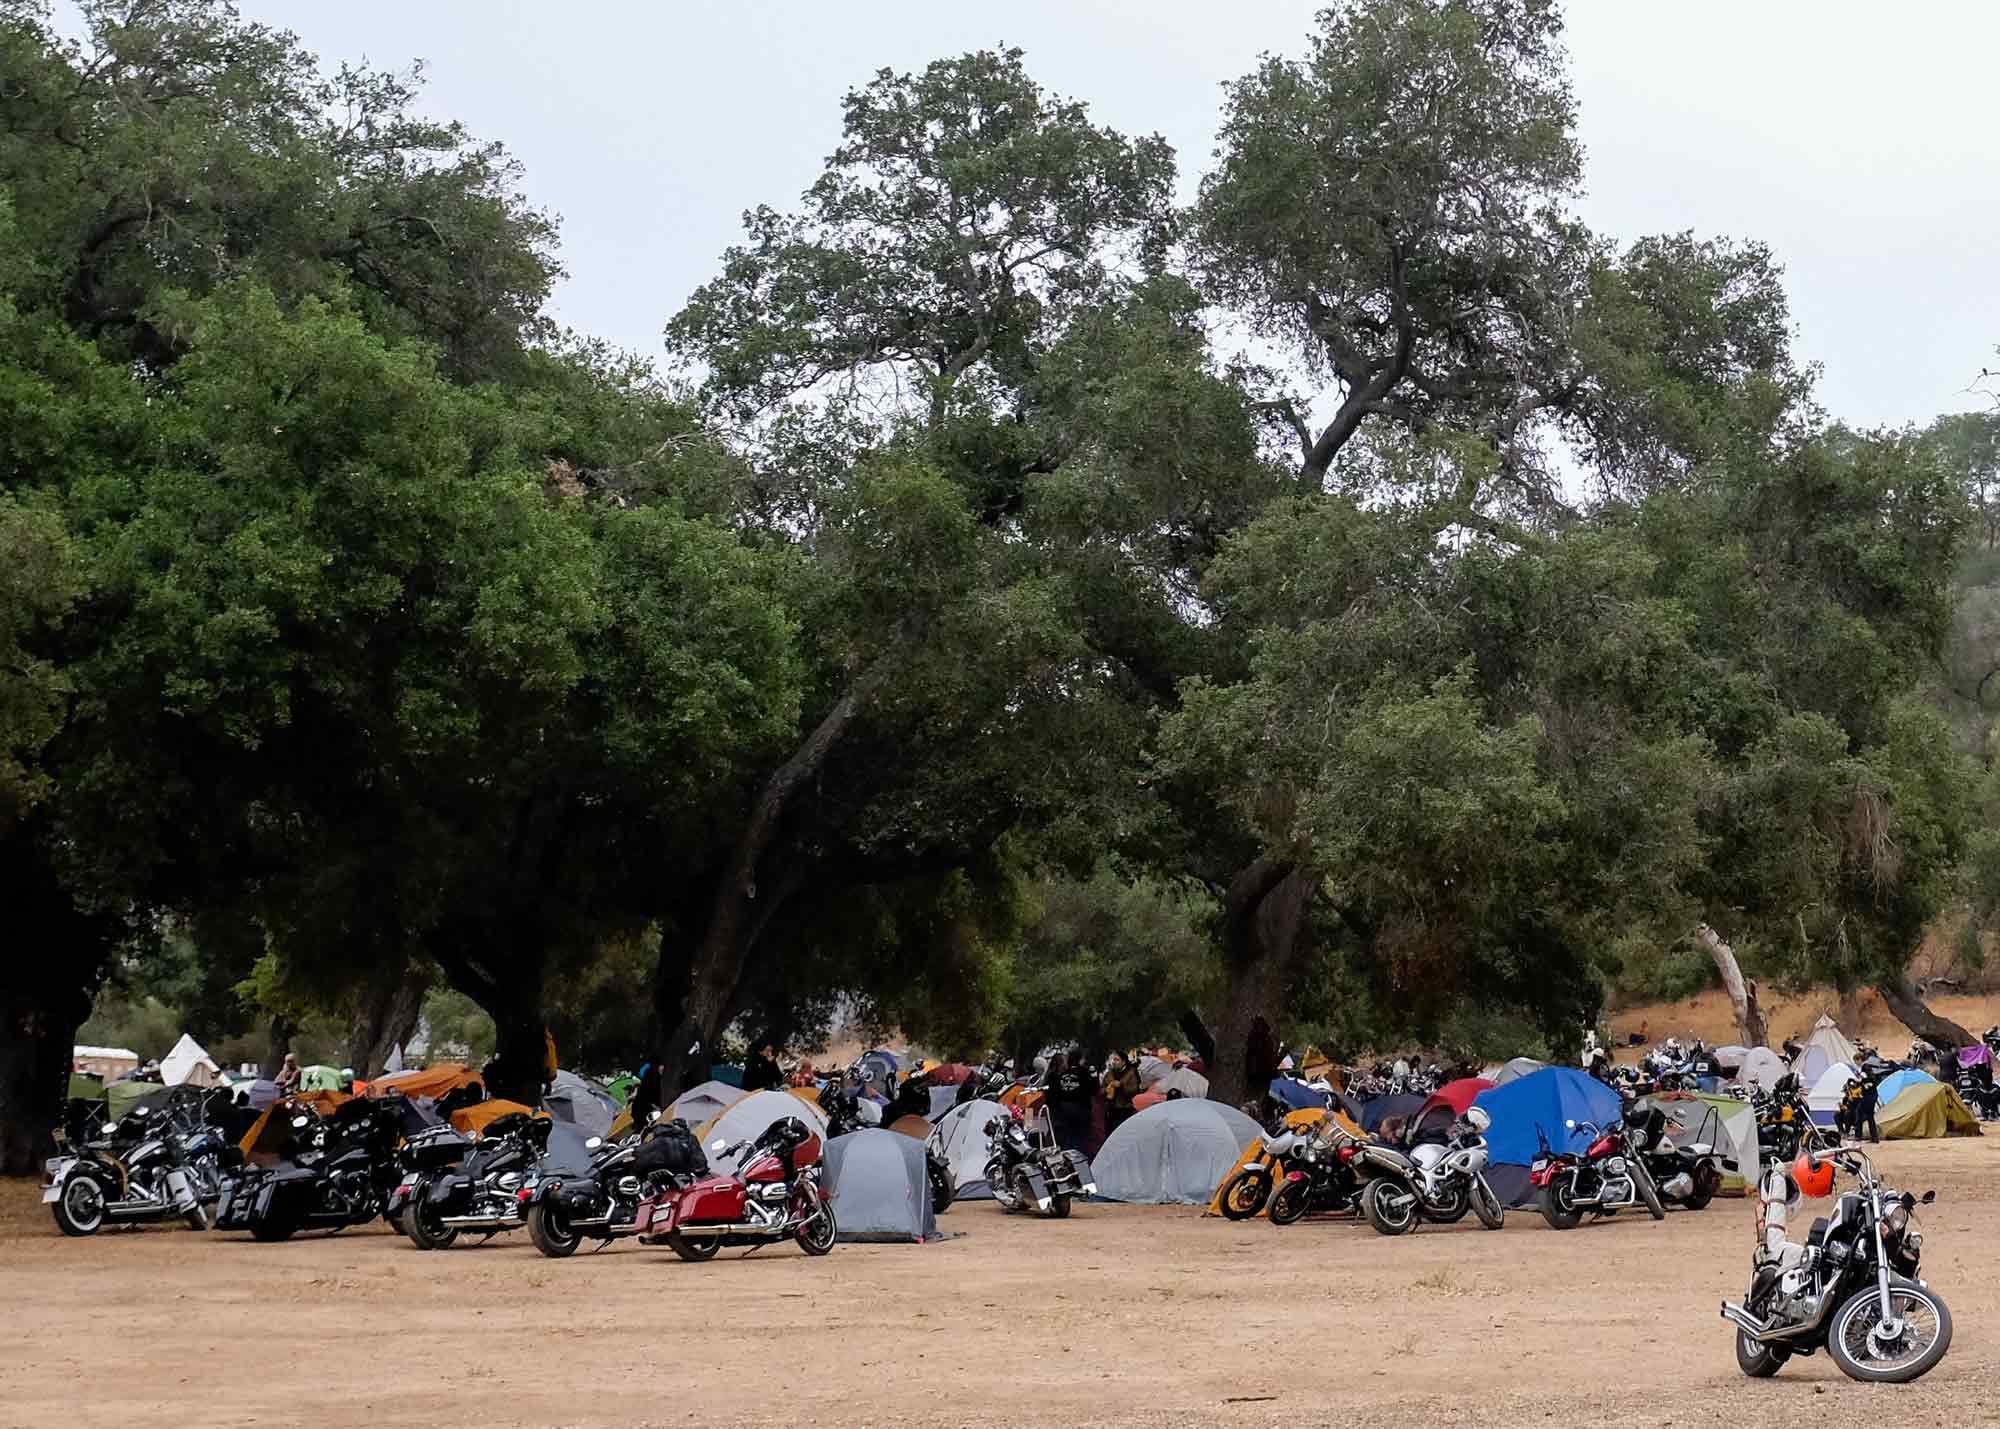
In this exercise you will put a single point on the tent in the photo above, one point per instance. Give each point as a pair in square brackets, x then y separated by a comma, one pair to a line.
[750, 1116]
[880, 1187]
[699, 1105]
[580, 1102]
[1185, 1080]
[1515, 1070]
[962, 1132]
[84, 1087]
[121, 1097]
[1923, 1108]
[430, 1082]
[621, 1088]
[1823, 1097]
[1727, 1123]
[1730, 1057]
[1894, 1085]
[1296, 1094]
[1762, 1068]
[1172, 1154]
[1975, 1054]
[472, 1120]
[1824, 1048]
[949, 1074]
[1532, 1108]
[1456, 1096]
[189, 1065]
[943, 1099]
[1377, 1110]
[320, 1078]
[917, 1128]
[1151, 1069]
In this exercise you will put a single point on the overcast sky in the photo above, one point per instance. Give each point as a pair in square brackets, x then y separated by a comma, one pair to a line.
[1854, 138]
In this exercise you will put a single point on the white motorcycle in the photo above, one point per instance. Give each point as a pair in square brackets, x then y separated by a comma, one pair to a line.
[1430, 1182]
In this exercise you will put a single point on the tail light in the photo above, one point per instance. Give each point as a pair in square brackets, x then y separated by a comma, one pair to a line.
[1347, 1153]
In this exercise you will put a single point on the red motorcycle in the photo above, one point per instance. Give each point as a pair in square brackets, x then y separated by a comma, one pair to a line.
[777, 1193]
[1609, 1177]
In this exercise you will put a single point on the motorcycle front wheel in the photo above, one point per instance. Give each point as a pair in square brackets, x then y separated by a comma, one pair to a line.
[1642, 1181]
[1759, 1361]
[1486, 1205]
[550, 1230]
[1451, 1210]
[1389, 1208]
[941, 1191]
[816, 1236]
[1290, 1202]
[1003, 1188]
[1557, 1209]
[1244, 1194]
[1923, 1337]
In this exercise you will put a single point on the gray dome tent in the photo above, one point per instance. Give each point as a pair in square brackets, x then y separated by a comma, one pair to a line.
[1173, 1153]
[880, 1187]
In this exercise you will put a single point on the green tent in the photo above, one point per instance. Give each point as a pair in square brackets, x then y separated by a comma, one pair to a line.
[621, 1088]
[320, 1079]
[84, 1087]
[121, 1097]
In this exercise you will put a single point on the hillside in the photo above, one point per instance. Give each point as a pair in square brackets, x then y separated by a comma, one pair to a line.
[1864, 1018]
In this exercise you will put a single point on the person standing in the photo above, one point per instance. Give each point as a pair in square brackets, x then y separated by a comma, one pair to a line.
[761, 1070]
[1121, 1086]
[1070, 1089]
[1864, 1109]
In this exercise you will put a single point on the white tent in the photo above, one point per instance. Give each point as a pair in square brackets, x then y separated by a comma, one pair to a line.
[880, 1185]
[1824, 1098]
[1173, 1153]
[1825, 1048]
[1185, 1080]
[189, 1066]
[1761, 1068]
[749, 1117]
[962, 1134]
[699, 1105]
[1730, 1056]
[1518, 1068]
[1151, 1069]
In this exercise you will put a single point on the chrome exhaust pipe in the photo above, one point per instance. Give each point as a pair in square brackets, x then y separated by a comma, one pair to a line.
[708, 1230]
[1743, 1320]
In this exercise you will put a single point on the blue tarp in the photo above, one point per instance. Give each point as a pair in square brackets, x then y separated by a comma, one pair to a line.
[1296, 1094]
[1377, 1110]
[727, 1075]
[1896, 1083]
[1544, 1100]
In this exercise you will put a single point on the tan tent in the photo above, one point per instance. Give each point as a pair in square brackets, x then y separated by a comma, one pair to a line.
[1826, 1047]
[1926, 1109]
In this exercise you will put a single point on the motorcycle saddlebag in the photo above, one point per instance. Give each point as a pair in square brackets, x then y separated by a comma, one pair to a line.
[670, 1146]
[290, 1190]
[1079, 1165]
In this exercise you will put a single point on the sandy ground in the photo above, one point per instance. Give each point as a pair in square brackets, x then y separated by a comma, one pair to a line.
[1709, 1017]
[1121, 1315]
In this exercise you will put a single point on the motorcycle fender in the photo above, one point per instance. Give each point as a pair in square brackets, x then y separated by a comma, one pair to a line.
[62, 1176]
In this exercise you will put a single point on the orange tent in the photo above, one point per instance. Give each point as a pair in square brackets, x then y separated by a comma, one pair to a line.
[912, 1126]
[471, 1120]
[270, 1134]
[430, 1082]
[808, 1095]
[1254, 1153]
[1027, 1099]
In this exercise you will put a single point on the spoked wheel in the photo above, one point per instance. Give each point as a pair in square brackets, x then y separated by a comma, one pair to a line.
[1245, 1193]
[816, 1236]
[1866, 1347]
[550, 1230]
[1389, 1208]
[696, 1248]
[1759, 1361]
[80, 1208]
[1486, 1205]
[1642, 1181]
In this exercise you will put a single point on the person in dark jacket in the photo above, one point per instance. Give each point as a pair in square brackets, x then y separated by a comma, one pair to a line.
[1070, 1089]
[1121, 1085]
[646, 1095]
[1862, 1113]
[761, 1070]
[913, 1098]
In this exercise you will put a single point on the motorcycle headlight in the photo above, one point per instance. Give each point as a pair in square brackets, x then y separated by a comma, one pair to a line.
[1615, 1166]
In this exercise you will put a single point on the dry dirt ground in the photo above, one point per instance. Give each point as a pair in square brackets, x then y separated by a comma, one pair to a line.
[1130, 1316]
[1709, 1017]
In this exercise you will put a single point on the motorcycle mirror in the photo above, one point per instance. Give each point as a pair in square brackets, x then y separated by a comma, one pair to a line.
[300, 1122]
[718, 1146]
[1929, 1197]
[1569, 1126]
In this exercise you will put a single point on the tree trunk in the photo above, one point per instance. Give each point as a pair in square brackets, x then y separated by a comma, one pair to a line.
[1750, 1022]
[1263, 922]
[34, 1072]
[741, 909]
[385, 1020]
[282, 1030]
[1903, 1000]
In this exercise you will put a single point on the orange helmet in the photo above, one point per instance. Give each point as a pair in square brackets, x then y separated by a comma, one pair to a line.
[1814, 1178]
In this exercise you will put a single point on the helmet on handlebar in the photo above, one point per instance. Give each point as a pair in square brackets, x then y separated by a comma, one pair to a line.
[1812, 1176]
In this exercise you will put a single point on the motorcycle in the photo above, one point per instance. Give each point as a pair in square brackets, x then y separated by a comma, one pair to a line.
[1852, 1289]
[479, 1195]
[1247, 1191]
[1684, 1174]
[1784, 1121]
[1318, 1176]
[776, 1194]
[149, 1166]
[1026, 1168]
[1609, 1177]
[1432, 1181]
[602, 1204]
[341, 1173]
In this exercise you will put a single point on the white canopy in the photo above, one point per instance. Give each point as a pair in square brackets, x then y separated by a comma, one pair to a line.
[1824, 1098]
[188, 1065]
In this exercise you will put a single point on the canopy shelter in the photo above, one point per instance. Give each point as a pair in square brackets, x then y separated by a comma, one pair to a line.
[1823, 1097]
[1923, 1109]
[1174, 1153]
[1515, 1070]
[189, 1065]
[1824, 1047]
[1728, 1124]
[581, 1103]
[432, 1082]
[880, 1187]
[1762, 1068]
[1531, 1109]
[962, 1137]
[749, 1118]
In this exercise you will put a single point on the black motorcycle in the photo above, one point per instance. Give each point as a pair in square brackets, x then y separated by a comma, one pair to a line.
[480, 1195]
[565, 1208]
[1685, 1173]
[1026, 1168]
[1316, 1175]
[154, 1164]
[336, 1172]
[1784, 1121]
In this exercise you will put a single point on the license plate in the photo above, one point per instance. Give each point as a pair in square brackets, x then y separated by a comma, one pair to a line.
[1538, 1166]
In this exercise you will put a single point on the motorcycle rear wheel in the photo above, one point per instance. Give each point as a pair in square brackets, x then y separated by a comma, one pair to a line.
[816, 1236]
[1289, 1204]
[272, 1229]
[1759, 1361]
[550, 1230]
[942, 1191]
[1707, 1181]
[695, 1248]
[1556, 1207]
[1245, 1193]
[1059, 1207]
[426, 1229]
[1861, 1312]
[1389, 1208]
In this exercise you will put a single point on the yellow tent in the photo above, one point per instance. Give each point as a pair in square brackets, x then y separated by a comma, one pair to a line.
[1294, 1121]
[1926, 1109]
